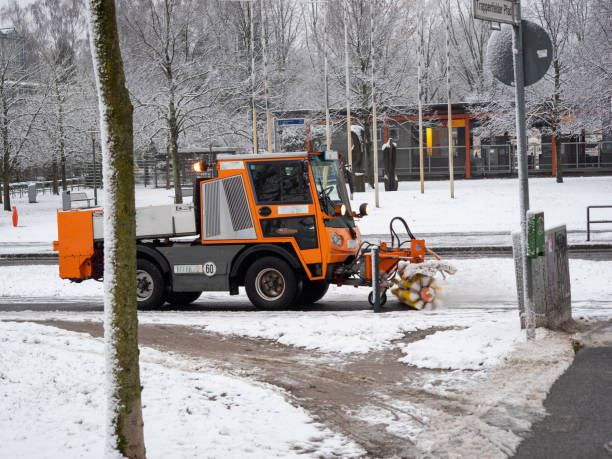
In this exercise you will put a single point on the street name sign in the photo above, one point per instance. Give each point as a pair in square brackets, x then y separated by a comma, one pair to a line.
[495, 10]
[291, 122]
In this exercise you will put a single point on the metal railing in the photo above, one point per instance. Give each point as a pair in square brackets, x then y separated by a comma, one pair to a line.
[590, 222]
[45, 186]
[501, 159]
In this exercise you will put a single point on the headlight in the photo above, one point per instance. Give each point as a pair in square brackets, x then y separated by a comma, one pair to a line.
[340, 210]
[336, 239]
[364, 209]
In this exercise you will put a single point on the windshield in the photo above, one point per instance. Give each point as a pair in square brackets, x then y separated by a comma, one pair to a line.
[331, 189]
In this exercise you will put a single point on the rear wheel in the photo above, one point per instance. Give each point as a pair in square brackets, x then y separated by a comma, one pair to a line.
[182, 298]
[271, 283]
[149, 285]
[313, 291]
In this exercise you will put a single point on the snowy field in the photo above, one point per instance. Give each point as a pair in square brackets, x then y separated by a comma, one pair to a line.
[479, 205]
[51, 405]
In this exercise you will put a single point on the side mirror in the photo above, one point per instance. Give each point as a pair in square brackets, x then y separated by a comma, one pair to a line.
[364, 209]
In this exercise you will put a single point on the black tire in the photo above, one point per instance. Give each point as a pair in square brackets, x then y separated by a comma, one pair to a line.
[149, 285]
[312, 291]
[383, 299]
[271, 283]
[182, 298]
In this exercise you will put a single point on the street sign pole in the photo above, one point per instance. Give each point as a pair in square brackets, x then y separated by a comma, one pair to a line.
[521, 147]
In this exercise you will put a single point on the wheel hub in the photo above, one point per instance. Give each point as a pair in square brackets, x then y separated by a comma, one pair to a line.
[144, 285]
[270, 284]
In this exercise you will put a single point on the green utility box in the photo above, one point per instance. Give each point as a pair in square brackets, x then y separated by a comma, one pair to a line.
[536, 241]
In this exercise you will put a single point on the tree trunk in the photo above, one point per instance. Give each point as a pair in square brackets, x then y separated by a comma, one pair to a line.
[124, 408]
[6, 180]
[559, 171]
[176, 176]
[54, 185]
[174, 132]
[168, 164]
[62, 144]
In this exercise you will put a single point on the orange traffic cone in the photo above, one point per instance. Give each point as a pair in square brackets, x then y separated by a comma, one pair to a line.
[15, 216]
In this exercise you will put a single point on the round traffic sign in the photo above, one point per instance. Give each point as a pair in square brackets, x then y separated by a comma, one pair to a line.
[537, 53]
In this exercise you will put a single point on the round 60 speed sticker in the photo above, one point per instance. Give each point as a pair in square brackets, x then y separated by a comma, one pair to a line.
[210, 268]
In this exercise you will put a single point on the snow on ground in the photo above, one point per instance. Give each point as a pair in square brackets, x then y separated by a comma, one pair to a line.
[482, 345]
[50, 404]
[484, 205]
[479, 205]
[480, 306]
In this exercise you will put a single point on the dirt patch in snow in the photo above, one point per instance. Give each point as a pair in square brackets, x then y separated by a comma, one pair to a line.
[389, 408]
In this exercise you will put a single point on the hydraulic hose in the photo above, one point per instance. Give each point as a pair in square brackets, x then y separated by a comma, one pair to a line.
[394, 235]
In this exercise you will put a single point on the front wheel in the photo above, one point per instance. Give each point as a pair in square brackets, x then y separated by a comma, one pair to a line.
[271, 283]
[313, 291]
[149, 285]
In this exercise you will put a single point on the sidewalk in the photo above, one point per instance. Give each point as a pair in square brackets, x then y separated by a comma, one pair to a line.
[579, 423]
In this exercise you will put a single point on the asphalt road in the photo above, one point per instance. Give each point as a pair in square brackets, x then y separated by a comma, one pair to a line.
[579, 424]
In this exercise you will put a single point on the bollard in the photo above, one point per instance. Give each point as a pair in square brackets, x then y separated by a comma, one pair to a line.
[66, 200]
[15, 216]
[32, 193]
[376, 279]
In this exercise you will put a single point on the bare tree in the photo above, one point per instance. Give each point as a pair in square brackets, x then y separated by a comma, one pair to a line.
[124, 408]
[21, 101]
[57, 28]
[175, 53]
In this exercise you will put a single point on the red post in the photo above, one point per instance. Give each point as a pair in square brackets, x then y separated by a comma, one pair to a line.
[468, 171]
[308, 145]
[554, 155]
[15, 216]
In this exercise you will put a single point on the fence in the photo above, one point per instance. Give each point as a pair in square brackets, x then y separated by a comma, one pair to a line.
[590, 222]
[499, 160]
[21, 188]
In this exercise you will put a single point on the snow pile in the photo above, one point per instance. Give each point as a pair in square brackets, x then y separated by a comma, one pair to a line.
[483, 345]
[50, 387]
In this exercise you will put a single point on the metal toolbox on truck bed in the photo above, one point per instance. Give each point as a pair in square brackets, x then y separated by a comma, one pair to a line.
[156, 221]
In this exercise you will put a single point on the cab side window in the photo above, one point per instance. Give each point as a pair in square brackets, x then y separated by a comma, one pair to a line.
[279, 182]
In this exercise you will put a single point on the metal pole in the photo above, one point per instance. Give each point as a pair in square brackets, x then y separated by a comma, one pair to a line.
[451, 159]
[326, 79]
[348, 93]
[265, 68]
[376, 279]
[95, 172]
[420, 93]
[255, 141]
[521, 144]
[374, 127]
